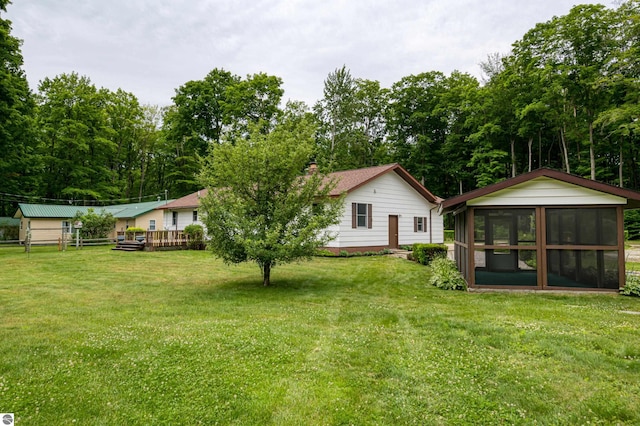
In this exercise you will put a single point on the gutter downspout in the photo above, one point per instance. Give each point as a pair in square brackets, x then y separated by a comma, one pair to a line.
[431, 224]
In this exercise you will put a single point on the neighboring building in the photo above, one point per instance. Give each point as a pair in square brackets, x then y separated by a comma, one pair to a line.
[182, 212]
[385, 207]
[542, 230]
[141, 215]
[48, 222]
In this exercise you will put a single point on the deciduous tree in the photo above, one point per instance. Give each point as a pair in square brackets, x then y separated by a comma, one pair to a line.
[19, 164]
[260, 207]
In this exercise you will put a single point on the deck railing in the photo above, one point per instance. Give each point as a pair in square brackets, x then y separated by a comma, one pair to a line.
[154, 239]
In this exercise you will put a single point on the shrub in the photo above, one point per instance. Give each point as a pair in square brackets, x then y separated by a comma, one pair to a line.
[445, 275]
[95, 225]
[325, 253]
[425, 253]
[9, 232]
[195, 234]
[632, 286]
[132, 231]
[344, 253]
[449, 235]
[632, 224]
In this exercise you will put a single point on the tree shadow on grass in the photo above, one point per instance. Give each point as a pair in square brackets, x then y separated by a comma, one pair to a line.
[249, 287]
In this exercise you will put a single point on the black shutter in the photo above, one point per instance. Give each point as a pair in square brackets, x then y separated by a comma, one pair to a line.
[354, 219]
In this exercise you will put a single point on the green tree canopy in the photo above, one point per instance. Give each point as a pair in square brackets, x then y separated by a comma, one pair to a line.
[19, 164]
[260, 207]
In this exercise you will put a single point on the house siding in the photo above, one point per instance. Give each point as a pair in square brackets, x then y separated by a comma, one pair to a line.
[185, 217]
[546, 191]
[388, 195]
[42, 229]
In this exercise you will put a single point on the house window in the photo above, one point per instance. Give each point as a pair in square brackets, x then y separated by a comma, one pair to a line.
[174, 218]
[195, 215]
[66, 226]
[361, 215]
[419, 224]
[152, 225]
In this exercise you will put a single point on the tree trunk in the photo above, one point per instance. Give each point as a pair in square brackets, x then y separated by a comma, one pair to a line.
[620, 176]
[539, 148]
[530, 146]
[266, 274]
[513, 158]
[565, 151]
[592, 155]
[142, 177]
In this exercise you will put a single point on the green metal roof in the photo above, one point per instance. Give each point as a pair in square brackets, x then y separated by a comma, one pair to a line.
[135, 209]
[120, 211]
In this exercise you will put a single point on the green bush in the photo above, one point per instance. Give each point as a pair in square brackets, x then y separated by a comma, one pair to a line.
[344, 253]
[425, 253]
[632, 286]
[195, 234]
[95, 225]
[632, 224]
[449, 235]
[131, 232]
[9, 232]
[445, 275]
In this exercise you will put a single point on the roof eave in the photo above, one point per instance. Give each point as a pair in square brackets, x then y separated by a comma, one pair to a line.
[632, 197]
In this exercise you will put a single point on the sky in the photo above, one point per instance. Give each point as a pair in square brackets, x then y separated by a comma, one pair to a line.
[152, 47]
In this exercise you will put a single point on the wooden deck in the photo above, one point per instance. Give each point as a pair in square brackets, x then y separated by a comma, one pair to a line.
[153, 240]
[129, 245]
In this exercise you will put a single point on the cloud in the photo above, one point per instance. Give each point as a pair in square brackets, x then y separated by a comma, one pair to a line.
[150, 47]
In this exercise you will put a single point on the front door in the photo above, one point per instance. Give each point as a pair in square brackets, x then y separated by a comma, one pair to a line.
[393, 232]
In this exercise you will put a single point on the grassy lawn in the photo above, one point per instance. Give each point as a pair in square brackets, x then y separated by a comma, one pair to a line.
[103, 337]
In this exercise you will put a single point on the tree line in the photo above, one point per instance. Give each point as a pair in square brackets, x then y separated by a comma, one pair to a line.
[566, 96]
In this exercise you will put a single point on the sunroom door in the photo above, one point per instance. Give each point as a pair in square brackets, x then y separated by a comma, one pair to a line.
[501, 231]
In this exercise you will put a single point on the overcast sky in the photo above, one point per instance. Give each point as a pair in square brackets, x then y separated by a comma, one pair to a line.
[151, 47]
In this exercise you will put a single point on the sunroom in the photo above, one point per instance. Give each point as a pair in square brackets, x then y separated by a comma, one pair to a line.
[542, 230]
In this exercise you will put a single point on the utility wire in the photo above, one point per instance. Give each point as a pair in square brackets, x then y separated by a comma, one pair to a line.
[43, 200]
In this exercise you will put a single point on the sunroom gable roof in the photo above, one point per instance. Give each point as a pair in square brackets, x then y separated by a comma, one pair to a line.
[632, 197]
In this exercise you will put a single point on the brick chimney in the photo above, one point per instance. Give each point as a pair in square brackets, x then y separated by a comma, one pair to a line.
[313, 168]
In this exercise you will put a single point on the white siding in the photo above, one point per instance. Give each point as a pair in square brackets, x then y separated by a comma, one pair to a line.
[546, 191]
[389, 195]
[185, 217]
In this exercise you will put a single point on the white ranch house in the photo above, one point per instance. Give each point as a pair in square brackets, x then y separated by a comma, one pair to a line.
[385, 207]
[182, 212]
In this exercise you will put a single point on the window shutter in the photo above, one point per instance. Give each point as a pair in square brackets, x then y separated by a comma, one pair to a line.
[415, 224]
[354, 220]
[369, 216]
[424, 224]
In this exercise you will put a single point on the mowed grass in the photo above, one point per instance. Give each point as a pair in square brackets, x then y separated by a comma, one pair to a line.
[103, 337]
